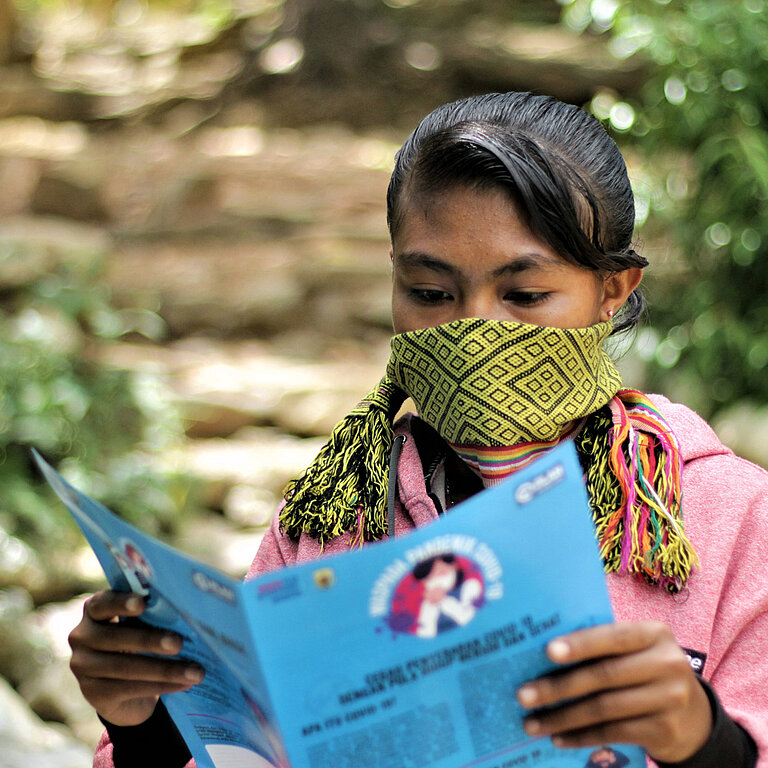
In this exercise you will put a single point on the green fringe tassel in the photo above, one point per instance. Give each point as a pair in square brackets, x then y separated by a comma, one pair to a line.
[660, 553]
[344, 490]
[603, 487]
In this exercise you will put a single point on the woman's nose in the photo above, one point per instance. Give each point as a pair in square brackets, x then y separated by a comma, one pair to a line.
[485, 305]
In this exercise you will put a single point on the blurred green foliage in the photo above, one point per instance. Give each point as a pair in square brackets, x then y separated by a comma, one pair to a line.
[700, 126]
[98, 424]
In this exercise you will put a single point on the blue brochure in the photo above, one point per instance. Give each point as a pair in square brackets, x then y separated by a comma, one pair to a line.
[406, 654]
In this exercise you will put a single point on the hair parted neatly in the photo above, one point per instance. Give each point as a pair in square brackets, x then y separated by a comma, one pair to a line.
[557, 162]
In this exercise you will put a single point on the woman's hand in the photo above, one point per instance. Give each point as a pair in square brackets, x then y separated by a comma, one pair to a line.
[121, 685]
[634, 685]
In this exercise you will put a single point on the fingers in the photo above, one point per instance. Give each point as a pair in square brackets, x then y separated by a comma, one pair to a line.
[641, 730]
[126, 639]
[102, 648]
[107, 605]
[631, 683]
[660, 736]
[607, 640]
[128, 666]
[118, 692]
[98, 629]
[665, 735]
[124, 687]
[607, 708]
[662, 660]
[110, 661]
[665, 719]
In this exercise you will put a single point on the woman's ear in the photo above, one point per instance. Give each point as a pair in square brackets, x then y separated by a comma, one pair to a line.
[616, 290]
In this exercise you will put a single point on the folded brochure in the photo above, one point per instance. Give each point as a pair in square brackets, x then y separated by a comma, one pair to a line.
[404, 654]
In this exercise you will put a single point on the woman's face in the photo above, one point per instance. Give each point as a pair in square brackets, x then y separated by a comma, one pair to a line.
[442, 576]
[468, 253]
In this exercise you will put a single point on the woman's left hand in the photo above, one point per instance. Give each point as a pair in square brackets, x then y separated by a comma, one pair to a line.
[634, 685]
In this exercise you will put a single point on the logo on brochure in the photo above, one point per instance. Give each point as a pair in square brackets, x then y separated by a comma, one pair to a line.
[277, 590]
[437, 586]
[528, 491]
[213, 587]
[133, 565]
[324, 578]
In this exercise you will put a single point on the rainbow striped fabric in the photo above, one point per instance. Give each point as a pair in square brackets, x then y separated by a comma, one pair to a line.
[493, 464]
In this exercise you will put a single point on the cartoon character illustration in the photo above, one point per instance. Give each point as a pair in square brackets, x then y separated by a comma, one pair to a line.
[451, 597]
[607, 757]
[139, 564]
[137, 582]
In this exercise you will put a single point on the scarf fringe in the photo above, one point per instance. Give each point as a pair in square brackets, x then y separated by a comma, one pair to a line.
[632, 470]
[634, 485]
[344, 490]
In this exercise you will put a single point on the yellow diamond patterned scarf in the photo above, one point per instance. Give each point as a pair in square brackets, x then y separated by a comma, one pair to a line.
[492, 383]
[499, 393]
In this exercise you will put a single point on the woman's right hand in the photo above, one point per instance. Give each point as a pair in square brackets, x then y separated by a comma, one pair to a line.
[119, 683]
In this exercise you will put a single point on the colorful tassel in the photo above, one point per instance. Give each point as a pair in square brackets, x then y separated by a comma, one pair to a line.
[633, 474]
[631, 458]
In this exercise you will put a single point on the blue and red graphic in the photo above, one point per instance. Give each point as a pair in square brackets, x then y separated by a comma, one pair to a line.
[437, 595]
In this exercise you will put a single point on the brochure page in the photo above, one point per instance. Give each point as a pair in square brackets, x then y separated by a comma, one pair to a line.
[404, 654]
[227, 720]
[410, 651]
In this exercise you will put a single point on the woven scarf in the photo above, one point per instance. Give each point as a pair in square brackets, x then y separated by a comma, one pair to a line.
[500, 394]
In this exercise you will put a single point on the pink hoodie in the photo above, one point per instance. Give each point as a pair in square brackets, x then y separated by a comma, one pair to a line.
[722, 617]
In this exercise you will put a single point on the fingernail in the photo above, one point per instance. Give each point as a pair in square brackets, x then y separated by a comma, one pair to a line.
[558, 741]
[170, 643]
[532, 726]
[527, 696]
[133, 604]
[558, 650]
[194, 674]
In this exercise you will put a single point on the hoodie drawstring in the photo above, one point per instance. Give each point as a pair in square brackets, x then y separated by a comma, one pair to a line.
[394, 458]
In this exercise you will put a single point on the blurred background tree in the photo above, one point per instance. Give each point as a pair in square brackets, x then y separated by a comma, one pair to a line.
[194, 283]
[8, 30]
[129, 117]
[700, 127]
[102, 425]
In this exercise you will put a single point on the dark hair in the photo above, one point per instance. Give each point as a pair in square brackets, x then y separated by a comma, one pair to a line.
[424, 568]
[557, 162]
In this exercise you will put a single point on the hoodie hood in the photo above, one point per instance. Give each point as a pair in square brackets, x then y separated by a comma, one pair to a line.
[697, 438]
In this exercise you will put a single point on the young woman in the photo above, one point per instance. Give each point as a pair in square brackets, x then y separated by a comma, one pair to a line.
[511, 218]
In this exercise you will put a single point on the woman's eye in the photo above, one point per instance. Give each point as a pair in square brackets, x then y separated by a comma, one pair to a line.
[527, 298]
[430, 295]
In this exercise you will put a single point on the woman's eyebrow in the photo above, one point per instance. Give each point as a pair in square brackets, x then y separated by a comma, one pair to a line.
[526, 261]
[415, 259]
[517, 264]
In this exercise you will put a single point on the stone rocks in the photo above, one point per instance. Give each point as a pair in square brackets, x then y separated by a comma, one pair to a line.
[34, 657]
[59, 196]
[222, 386]
[31, 247]
[22, 647]
[53, 692]
[203, 286]
[19, 565]
[215, 541]
[261, 458]
[27, 741]
[57, 575]
[23, 93]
